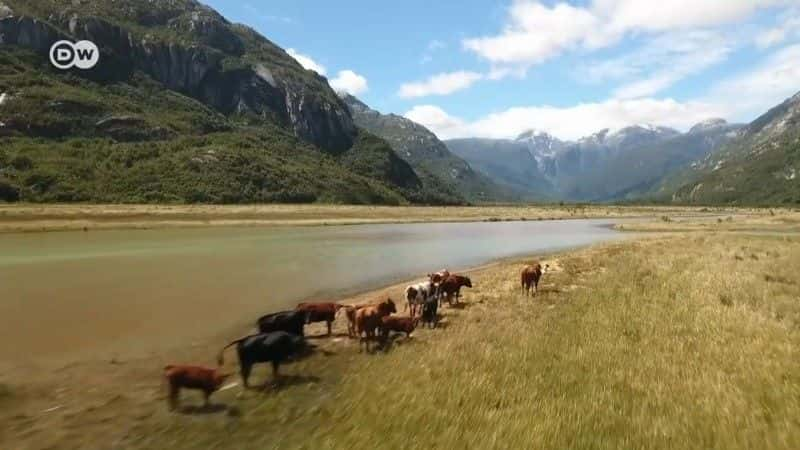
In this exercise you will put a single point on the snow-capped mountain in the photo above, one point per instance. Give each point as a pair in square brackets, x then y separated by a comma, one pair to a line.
[608, 164]
[543, 147]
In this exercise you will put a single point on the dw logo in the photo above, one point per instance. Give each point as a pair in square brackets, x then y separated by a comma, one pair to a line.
[82, 54]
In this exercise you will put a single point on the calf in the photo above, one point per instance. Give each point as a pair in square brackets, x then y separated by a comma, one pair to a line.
[368, 319]
[288, 321]
[400, 324]
[452, 285]
[530, 277]
[320, 312]
[437, 278]
[192, 377]
[276, 347]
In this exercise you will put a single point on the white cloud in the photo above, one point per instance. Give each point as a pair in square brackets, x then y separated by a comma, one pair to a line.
[441, 84]
[350, 82]
[498, 73]
[567, 122]
[345, 81]
[535, 32]
[306, 61]
[664, 61]
[742, 97]
[436, 120]
[636, 15]
[787, 28]
[753, 92]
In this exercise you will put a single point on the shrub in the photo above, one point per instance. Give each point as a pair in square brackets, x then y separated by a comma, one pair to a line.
[21, 162]
[8, 192]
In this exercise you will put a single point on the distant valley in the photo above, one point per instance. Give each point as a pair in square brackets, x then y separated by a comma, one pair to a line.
[606, 166]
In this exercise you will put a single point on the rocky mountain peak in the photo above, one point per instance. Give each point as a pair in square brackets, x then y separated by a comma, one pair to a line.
[709, 124]
[534, 133]
[540, 143]
[595, 138]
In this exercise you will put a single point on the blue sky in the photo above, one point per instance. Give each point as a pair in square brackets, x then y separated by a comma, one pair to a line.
[497, 68]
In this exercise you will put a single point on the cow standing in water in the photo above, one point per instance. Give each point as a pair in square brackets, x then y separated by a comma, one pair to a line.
[530, 277]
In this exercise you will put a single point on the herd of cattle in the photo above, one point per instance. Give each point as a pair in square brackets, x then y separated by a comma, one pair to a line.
[281, 336]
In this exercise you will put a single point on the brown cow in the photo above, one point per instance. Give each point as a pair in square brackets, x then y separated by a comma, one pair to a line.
[530, 277]
[452, 285]
[192, 377]
[437, 278]
[368, 319]
[400, 324]
[320, 312]
[350, 312]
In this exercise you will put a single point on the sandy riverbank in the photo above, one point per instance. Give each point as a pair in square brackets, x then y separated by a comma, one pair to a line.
[38, 218]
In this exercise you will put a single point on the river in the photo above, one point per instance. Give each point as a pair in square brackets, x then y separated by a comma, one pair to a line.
[82, 292]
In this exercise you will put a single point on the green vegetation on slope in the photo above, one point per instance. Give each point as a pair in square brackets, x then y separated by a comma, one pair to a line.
[186, 107]
[768, 178]
[264, 165]
[760, 167]
[428, 155]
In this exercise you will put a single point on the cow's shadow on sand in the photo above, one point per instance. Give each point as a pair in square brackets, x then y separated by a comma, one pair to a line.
[196, 410]
[327, 336]
[440, 325]
[459, 305]
[285, 381]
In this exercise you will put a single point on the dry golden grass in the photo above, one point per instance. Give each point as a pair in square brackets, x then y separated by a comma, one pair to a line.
[679, 341]
[763, 220]
[33, 217]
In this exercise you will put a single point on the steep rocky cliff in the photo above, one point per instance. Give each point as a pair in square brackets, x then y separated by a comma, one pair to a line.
[193, 50]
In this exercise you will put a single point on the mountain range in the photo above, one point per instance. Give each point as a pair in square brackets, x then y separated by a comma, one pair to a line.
[606, 166]
[187, 107]
[760, 166]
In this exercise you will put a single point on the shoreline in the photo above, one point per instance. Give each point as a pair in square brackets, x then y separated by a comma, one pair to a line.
[31, 218]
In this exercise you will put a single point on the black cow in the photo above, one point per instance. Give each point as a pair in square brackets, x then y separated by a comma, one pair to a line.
[276, 347]
[429, 312]
[288, 321]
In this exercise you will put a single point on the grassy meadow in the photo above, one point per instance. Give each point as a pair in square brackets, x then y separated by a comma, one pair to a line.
[679, 340]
